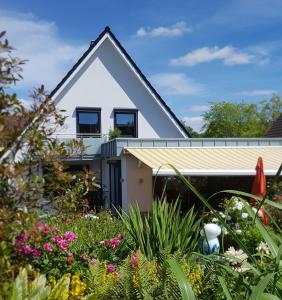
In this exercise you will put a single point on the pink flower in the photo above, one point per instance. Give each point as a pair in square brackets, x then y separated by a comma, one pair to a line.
[55, 229]
[117, 274]
[70, 236]
[120, 236]
[36, 252]
[62, 244]
[70, 258]
[134, 261]
[84, 256]
[25, 249]
[114, 243]
[47, 247]
[93, 261]
[111, 267]
[45, 228]
[39, 226]
[21, 238]
[56, 238]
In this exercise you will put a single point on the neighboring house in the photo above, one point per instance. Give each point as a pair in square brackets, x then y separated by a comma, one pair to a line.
[106, 90]
[276, 128]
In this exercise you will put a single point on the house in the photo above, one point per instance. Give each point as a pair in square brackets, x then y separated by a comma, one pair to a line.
[106, 90]
[276, 128]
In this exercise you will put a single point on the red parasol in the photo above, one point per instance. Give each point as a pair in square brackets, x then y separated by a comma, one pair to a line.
[259, 187]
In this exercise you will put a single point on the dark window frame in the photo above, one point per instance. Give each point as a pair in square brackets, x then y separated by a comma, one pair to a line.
[79, 110]
[127, 111]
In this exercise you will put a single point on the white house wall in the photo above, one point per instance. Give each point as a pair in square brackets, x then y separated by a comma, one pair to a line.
[107, 82]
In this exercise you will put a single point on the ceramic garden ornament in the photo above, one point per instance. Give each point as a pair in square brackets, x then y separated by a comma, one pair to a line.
[208, 242]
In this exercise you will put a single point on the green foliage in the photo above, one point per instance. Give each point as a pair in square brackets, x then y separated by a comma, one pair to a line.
[38, 289]
[259, 277]
[227, 119]
[163, 230]
[114, 133]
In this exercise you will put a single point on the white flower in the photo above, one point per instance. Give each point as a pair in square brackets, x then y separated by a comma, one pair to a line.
[214, 220]
[228, 218]
[238, 205]
[237, 259]
[224, 231]
[239, 255]
[245, 215]
[238, 231]
[262, 247]
[222, 215]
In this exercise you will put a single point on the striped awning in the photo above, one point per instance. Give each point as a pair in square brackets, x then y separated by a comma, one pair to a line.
[212, 161]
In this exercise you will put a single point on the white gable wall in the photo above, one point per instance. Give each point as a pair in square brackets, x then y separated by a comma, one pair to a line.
[106, 81]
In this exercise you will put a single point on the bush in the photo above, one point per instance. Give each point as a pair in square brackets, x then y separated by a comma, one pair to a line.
[163, 230]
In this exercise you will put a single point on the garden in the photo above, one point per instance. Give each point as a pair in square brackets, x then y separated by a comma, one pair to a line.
[53, 247]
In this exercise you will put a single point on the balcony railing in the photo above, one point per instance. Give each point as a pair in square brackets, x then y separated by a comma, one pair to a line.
[91, 141]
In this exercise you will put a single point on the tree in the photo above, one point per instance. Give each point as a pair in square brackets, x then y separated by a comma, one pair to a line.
[28, 145]
[227, 119]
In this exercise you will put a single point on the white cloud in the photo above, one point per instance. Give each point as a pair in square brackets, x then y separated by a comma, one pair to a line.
[195, 122]
[49, 56]
[177, 29]
[257, 93]
[176, 84]
[228, 54]
[199, 108]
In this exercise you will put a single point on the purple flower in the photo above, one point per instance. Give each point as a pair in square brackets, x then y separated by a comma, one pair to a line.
[117, 274]
[21, 238]
[114, 243]
[111, 267]
[70, 236]
[134, 261]
[56, 238]
[45, 228]
[63, 244]
[47, 247]
[25, 249]
[84, 256]
[55, 229]
[36, 252]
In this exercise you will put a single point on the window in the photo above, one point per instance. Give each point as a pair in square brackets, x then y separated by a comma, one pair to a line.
[126, 122]
[88, 122]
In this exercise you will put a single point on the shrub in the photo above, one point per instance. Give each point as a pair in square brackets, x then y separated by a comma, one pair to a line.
[163, 230]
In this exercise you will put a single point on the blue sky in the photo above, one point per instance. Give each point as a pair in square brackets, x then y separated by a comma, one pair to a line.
[193, 52]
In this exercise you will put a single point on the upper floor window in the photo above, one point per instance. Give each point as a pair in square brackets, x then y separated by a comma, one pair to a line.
[126, 121]
[88, 122]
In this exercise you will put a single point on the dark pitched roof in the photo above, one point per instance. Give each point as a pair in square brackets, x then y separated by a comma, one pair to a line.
[276, 128]
[92, 45]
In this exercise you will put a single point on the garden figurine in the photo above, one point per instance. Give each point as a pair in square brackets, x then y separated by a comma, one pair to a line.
[208, 243]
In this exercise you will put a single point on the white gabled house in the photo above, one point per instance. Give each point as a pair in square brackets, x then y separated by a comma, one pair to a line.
[106, 90]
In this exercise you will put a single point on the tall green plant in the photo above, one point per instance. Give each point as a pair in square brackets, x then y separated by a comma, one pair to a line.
[262, 281]
[163, 230]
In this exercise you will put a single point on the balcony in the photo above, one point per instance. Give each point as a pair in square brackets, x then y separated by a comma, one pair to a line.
[92, 143]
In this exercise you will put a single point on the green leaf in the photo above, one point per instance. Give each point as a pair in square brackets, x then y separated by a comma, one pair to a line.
[60, 289]
[266, 296]
[224, 287]
[185, 287]
[267, 237]
[20, 287]
[260, 287]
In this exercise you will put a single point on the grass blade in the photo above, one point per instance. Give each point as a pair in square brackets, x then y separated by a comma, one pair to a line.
[185, 287]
